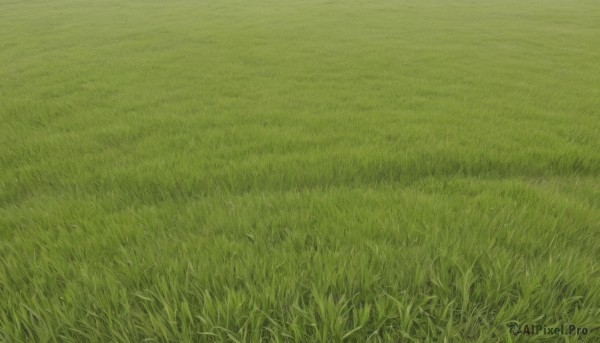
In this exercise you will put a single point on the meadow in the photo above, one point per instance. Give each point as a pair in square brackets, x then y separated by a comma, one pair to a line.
[299, 171]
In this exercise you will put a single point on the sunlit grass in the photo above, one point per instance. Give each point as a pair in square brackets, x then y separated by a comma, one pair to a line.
[298, 171]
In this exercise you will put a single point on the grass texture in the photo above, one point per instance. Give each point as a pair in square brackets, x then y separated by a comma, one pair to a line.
[298, 171]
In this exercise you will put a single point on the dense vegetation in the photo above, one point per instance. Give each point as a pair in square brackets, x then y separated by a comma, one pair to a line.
[298, 171]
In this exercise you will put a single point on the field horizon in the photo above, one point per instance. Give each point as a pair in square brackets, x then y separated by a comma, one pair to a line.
[299, 171]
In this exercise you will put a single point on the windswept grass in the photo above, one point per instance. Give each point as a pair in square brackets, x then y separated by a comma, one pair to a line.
[298, 171]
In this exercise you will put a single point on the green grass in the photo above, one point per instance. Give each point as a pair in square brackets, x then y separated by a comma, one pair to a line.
[298, 171]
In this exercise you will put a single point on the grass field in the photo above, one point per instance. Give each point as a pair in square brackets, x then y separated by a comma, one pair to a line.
[299, 171]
